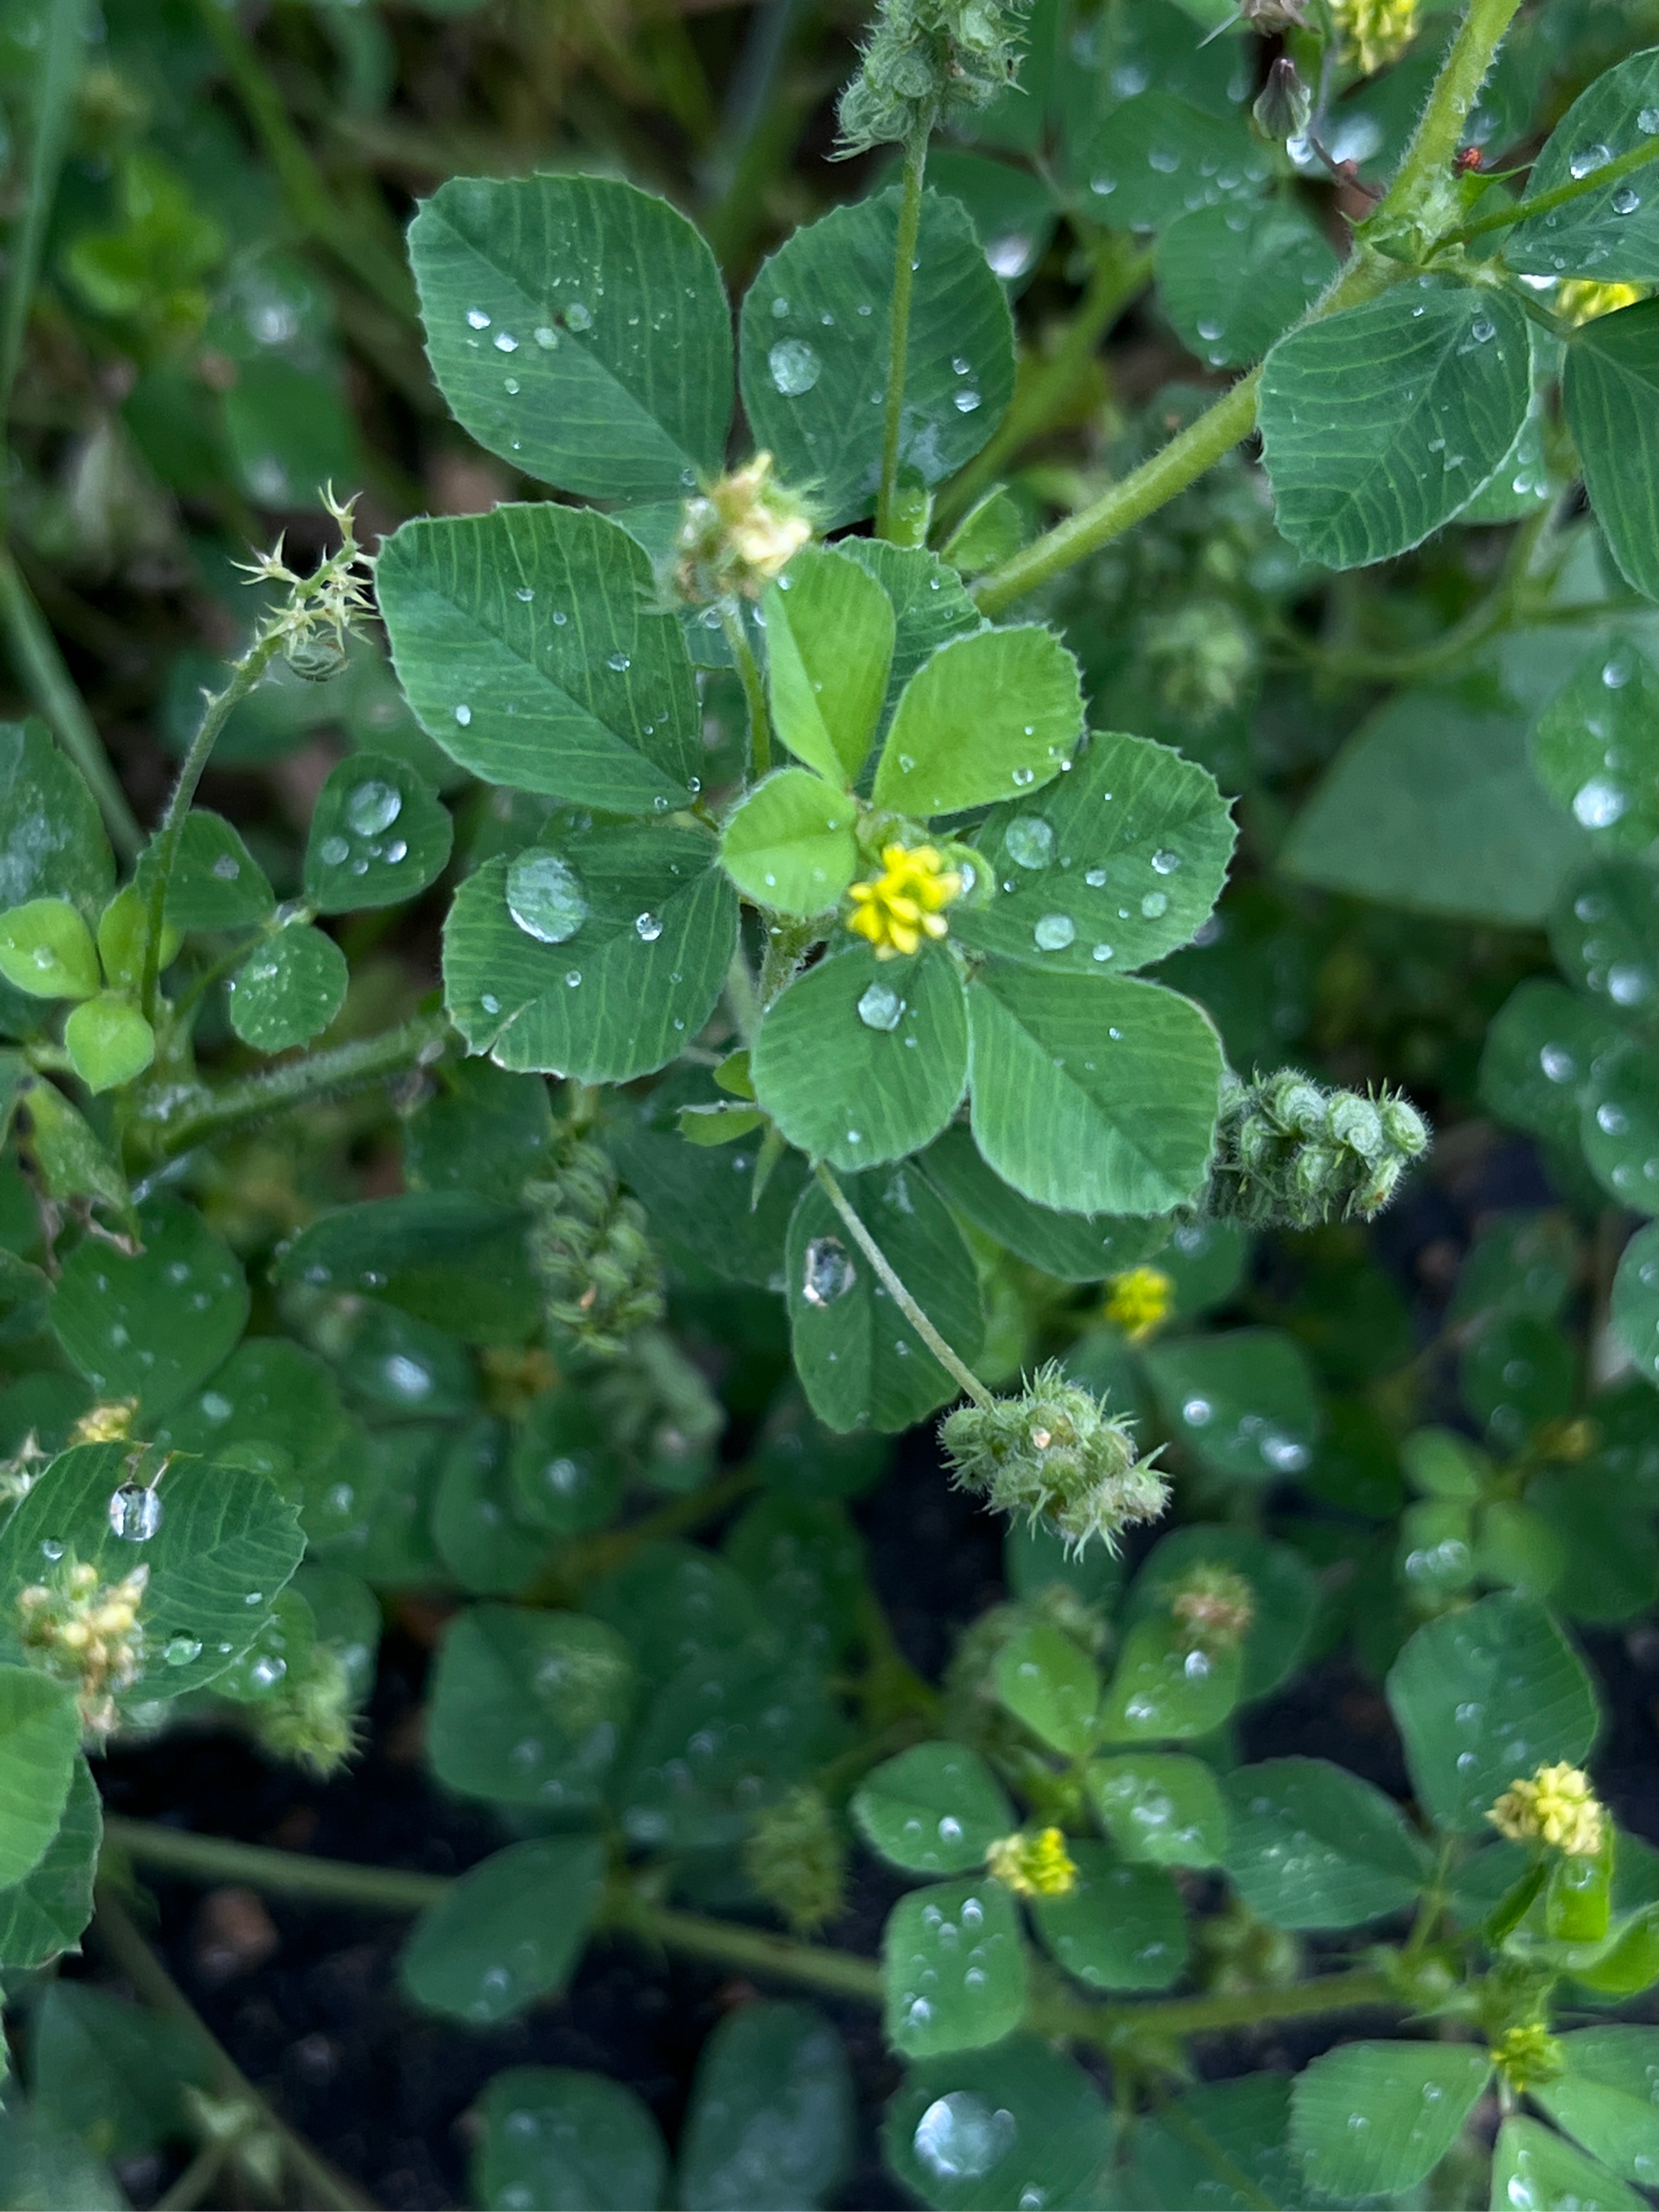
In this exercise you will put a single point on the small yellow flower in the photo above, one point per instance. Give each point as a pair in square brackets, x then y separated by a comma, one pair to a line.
[1375, 31]
[1581, 300]
[110, 1424]
[1524, 2055]
[899, 908]
[1138, 1301]
[1033, 1866]
[1557, 1807]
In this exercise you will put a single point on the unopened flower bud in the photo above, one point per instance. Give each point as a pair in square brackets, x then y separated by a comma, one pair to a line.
[1284, 105]
[1034, 1865]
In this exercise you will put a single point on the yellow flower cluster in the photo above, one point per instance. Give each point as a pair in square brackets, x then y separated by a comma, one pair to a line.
[896, 909]
[1375, 31]
[86, 1633]
[1557, 1807]
[1524, 2055]
[108, 1424]
[1139, 1301]
[1580, 299]
[1033, 1866]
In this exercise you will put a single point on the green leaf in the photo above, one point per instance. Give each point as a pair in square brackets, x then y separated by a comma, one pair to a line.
[863, 1061]
[1610, 232]
[1155, 157]
[1368, 2118]
[1380, 421]
[482, 1129]
[952, 1967]
[1222, 2145]
[1484, 1696]
[1120, 1928]
[1539, 1058]
[378, 836]
[153, 1324]
[1155, 1695]
[42, 2165]
[728, 1735]
[47, 951]
[273, 1407]
[51, 840]
[980, 2131]
[1610, 392]
[598, 955]
[699, 1202]
[1619, 1123]
[109, 1041]
[789, 843]
[1045, 1680]
[1014, 212]
[830, 634]
[568, 2142]
[1091, 1096]
[446, 1256]
[1074, 1247]
[859, 1360]
[109, 2073]
[215, 882]
[1532, 2165]
[1160, 1807]
[1608, 2096]
[815, 337]
[225, 1544]
[930, 605]
[1233, 279]
[1283, 1591]
[39, 1743]
[989, 714]
[1591, 751]
[531, 647]
[1636, 1300]
[1119, 862]
[1433, 806]
[475, 1527]
[675, 1604]
[289, 989]
[1244, 1402]
[1311, 1846]
[805, 1560]
[42, 1914]
[1518, 1374]
[528, 1708]
[579, 328]
[936, 1808]
[509, 1931]
[566, 1473]
[771, 2115]
[62, 1151]
[1605, 933]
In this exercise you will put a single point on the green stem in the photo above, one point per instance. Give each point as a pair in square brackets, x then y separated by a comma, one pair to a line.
[282, 1874]
[35, 654]
[1114, 283]
[904, 277]
[1426, 170]
[198, 2177]
[754, 690]
[953, 1365]
[1597, 180]
[299, 1083]
[115, 1930]
[65, 27]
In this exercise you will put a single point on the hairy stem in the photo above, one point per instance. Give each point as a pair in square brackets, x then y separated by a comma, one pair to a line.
[283, 1873]
[956, 1368]
[298, 1083]
[114, 1928]
[1427, 166]
[754, 690]
[1575, 188]
[904, 277]
[38, 661]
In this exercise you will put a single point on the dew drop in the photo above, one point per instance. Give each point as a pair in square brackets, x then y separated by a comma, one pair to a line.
[828, 1273]
[960, 2137]
[1599, 803]
[1154, 903]
[1095, 879]
[1054, 932]
[966, 401]
[1626, 200]
[1165, 863]
[794, 365]
[135, 1512]
[373, 806]
[881, 1007]
[1029, 841]
[180, 1651]
[544, 897]
[647, 927]
[578, 317]
[477, 320]
[463, 715]
[617, 663]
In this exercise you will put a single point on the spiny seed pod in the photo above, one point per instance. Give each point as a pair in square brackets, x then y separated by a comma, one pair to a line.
[1054, 1454]
[928, 61]
[587, 1244]
[311, 1720]
[1290, 1154]
[795, 1857]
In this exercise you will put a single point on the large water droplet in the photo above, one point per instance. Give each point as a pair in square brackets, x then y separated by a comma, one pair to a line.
[960, 2137]
[828, 1273]
[1599, 803]
[180, 1651]
[1154, 903]
[1009, 256]
[1626, 200]
[880, 1008]
[577, 317]
[966, 402]
[648, 926]
[1588, 159]
[544, 897]
[135, 1512]
[795, 367]
[1558, 1063]
[1054, 932]
[1165, 863]
[373, 806]
[477, 319]
[1029, 841]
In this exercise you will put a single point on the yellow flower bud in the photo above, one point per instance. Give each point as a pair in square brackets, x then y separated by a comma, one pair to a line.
[1138, 1301]
[1558, 1807]
[1033, 1866]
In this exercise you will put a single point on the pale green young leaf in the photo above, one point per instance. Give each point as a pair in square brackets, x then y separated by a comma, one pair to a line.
[930, 605]
[1160, 1807]
[1114, 865]
[509, 1931]
[579, 328]
[528, 1708]
[40, 1739]
[771, 2115]
[1120, 1928]
[936, 1808]
[829, 633]
[568, 2141]
[378, 836]
[789, 844]
[1410, 2101]
[109, 1041]
[155, 1323]
[47, 951]
[1482, 1697]
[980, 2131]
[1608, 2097]
[953, 1968]
[1610, 392]
[1532, 2165]
[600, 954]
[1610, 232]
[1091, 1096]
[864, 1061]
[1233, 279]
[1380, 421]
[289, 989]
[1045, 1680]
[816, 333]
[1311, 1846]
[1244, 1402]
[530, 648]
[989, 716]
[42, 1913]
